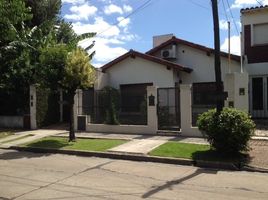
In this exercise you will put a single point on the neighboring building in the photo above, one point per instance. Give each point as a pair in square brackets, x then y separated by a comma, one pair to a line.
[255, 53]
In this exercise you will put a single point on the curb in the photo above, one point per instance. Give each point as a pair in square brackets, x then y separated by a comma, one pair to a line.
[127, 156]
[254, 169]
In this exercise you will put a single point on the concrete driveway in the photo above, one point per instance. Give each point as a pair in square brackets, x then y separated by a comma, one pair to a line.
[44, 176]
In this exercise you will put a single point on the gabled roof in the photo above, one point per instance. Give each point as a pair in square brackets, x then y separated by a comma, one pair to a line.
[190, 44]
[253, 8]
[134, 54]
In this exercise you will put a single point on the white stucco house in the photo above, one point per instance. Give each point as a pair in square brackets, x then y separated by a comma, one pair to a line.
[179, 76]
[255, 53]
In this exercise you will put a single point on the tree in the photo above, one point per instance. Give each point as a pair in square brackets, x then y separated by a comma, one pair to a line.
[78, 74]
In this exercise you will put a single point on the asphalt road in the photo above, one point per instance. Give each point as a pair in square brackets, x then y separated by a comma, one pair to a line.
[45, 176]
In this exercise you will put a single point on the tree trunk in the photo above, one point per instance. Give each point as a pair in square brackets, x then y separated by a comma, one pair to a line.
[71, 124]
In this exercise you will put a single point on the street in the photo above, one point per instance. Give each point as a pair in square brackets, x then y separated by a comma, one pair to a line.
[33, 176]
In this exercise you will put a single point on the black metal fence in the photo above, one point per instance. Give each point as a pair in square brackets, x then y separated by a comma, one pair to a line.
[203, 99]
[126, 108]
[168, 108]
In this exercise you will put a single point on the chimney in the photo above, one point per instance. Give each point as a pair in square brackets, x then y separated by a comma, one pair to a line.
[159, 39]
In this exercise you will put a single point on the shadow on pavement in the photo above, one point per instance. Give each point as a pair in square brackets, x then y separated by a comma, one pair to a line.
[170, 184]
[13, 155]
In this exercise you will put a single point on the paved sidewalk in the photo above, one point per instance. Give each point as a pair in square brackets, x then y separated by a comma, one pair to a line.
[27, 136]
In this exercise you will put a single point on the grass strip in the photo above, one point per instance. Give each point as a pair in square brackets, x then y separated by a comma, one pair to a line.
[80, 144]
[193, 152]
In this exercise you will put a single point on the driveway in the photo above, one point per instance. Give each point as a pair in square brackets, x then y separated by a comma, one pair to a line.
[44, 176]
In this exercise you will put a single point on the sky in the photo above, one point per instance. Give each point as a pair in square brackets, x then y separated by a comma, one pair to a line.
[122, 25]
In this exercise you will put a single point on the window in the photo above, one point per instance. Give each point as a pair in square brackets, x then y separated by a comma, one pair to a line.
[260, 34]
[204, 93]
[132, 96]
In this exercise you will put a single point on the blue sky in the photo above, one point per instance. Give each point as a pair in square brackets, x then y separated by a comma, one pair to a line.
[187, 19]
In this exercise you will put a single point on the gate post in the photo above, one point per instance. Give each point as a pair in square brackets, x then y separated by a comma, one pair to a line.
[152, 110]
[33, 124]
[186, 112]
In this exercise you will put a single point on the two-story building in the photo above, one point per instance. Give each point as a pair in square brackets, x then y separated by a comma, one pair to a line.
[255, 54]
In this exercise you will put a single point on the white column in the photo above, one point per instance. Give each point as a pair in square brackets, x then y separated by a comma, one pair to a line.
[61, 105]
[33, 106]
[186, 112]
[152, 110]
[75, 108]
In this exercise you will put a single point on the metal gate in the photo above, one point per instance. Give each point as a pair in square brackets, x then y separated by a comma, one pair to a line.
[168, 109]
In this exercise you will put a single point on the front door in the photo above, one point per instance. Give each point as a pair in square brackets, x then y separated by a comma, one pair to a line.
[258, 96]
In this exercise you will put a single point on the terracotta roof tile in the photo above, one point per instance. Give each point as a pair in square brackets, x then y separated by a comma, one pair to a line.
[134, 54]
[190, 44]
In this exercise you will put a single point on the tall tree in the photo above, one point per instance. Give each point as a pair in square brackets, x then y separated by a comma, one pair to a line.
[78, 73]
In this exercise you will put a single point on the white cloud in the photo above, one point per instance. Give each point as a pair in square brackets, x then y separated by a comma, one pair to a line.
[81, 12]
[123, 22]
[223, 24]
[127, 8]
[73, 1]
[104, 51]
[108, 10]
[235, 45]
[247, 3]
[99, 26]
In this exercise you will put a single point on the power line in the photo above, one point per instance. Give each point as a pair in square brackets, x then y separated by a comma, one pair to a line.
[232, 16]
[141, 7]
[259, 3]
[224, 8]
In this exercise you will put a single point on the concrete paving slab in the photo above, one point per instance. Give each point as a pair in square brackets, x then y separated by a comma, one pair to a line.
[138, 146]
[32, 135]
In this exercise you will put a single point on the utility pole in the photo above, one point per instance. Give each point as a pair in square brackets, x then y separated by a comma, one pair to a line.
[219, 86]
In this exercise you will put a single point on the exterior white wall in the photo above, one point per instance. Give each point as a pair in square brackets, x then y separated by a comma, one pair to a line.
[232, 84]
[101, 81]
[201, 63]
[257, 69]
[254, 17]
[138, 70]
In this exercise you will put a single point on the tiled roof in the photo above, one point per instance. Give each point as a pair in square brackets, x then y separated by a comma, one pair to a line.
[190, 44]
[253, 8]
[134, 54]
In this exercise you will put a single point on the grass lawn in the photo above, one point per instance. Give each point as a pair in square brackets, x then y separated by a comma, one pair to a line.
[6, 133]
[192, 151]
[80, 144]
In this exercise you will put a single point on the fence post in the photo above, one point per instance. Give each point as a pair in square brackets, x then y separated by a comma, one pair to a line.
[75, 108]
[33, 107]
[186, 112]
[152, 121]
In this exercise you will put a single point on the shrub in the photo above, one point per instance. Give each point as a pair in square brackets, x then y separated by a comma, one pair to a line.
[228, 132]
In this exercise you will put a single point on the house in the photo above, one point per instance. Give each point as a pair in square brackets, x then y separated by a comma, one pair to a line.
[255, 53]
[180, 76]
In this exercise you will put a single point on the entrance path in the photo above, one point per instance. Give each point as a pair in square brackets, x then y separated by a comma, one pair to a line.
[143, 146]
